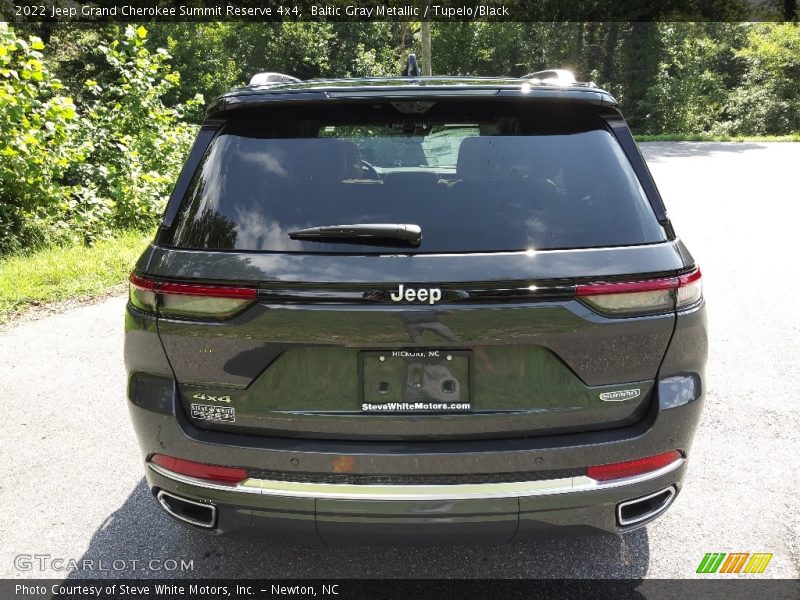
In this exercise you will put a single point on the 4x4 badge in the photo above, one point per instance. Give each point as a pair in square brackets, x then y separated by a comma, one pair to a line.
[202, 396]
[620, 395]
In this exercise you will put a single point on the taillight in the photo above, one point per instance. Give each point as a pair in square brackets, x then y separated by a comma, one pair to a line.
[642, 297]
[200, 470]
[141, 293]
[630, 468]
[189, 300]
[690, 288]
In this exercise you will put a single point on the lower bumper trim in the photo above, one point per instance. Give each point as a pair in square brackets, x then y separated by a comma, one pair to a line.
[340, 491]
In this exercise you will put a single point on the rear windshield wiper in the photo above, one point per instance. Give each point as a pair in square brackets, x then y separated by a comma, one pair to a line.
[362, 233]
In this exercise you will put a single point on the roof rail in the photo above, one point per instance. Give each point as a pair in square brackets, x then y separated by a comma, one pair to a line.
[271, 79]
[552, 76]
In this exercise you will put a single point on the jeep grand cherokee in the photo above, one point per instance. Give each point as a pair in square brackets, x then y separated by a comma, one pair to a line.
[418, 309]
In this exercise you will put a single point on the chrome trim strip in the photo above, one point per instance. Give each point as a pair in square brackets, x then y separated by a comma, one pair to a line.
[653, 513]
[160, 496]
[345, 491]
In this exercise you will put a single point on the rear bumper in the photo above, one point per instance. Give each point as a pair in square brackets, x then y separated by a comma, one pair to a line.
[315, 500]
[316, 488]
[389, 514]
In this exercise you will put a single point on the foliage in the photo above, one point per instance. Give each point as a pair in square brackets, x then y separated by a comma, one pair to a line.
[216, 57]
[207, 63]
[768, 101]
[370, 50]
[37, 128]
[136, 144]
[680, 78]
[78, 172]
[687, 94]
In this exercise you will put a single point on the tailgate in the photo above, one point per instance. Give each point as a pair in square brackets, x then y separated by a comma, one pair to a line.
[507, 350]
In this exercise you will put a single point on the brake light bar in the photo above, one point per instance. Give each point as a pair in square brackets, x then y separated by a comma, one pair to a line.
[645, 296]
[188, 299]
[690, 277]
[628, 287]
[207, 291]
[141, 282]
[197, 470]
[631, 468]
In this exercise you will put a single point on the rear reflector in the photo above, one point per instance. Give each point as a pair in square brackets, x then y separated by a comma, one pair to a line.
[642, 297]
[200, 470]
[631, 468]
[189, 300]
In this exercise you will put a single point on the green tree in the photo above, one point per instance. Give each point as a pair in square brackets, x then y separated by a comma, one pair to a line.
[688, 94]
[368, 49]
[37, 128]
[768, 101]
[641, 48]
[136, 143]
[203, 53]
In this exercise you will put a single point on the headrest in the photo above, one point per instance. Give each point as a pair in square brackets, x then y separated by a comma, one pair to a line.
[473, 157]
[327, 160]
[352, 160]
[495, 157]
[282, 160]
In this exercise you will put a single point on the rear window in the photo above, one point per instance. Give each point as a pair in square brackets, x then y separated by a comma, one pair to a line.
[475, 178]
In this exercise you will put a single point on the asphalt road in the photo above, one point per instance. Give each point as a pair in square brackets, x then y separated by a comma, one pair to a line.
[71, 484]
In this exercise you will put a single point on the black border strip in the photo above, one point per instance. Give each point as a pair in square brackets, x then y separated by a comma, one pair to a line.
[730, 588]
[397, 10]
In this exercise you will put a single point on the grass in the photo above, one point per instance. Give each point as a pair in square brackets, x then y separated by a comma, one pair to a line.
[701, 137]
[63, 272]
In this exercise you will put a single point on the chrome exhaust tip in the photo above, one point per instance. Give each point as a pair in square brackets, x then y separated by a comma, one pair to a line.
[200, 514]
[644, 508]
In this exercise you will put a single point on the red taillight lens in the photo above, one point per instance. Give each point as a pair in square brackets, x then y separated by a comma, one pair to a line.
[629, 468]
[200, 470]
[642, 297]
[207, 291]
[189, 300]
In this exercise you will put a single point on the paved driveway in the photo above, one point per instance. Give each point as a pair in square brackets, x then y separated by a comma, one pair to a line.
[71, 485]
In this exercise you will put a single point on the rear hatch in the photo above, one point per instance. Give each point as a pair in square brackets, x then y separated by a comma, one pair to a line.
[500, 319]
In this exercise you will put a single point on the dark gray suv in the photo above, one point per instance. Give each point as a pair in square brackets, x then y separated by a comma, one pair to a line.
[417, 309]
